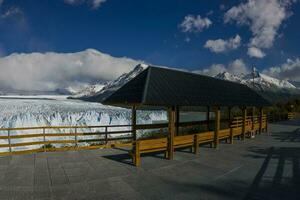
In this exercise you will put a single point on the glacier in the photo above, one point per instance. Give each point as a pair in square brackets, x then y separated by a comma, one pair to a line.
[58, 111]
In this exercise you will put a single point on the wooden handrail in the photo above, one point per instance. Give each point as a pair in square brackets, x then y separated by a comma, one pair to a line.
[76, 134]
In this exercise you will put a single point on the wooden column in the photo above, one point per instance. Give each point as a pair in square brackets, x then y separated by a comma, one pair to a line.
[217, 125]
[171, 128]
[244, 115]
[207, 118]
[261, 113]
[133, 122]
[135, 146]
[252, 119]
[229, 124]
[177, 114]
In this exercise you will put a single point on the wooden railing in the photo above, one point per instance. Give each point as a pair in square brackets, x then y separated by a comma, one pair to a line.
[291, 115]
[47, 138]
[57, 138]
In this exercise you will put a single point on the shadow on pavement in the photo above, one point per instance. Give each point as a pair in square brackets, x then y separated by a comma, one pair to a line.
[278, 176]
[293, 136]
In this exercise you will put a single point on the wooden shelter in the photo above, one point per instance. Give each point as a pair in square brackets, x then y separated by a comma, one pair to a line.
[171, 89]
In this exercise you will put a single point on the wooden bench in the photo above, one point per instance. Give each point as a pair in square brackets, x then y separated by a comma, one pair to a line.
[194, 140]
[206, 137]
[224, 134]
[237, 131]
[184, 141]
[148, 146]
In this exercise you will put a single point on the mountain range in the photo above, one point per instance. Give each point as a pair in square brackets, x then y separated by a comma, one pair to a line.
[271, 88]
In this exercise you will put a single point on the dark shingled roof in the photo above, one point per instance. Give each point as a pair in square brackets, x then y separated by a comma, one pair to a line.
[167, 87]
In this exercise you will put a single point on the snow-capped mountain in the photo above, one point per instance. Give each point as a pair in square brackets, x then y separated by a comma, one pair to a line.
[229, 77]
[89, 90]
[99, 93]
[261, 82]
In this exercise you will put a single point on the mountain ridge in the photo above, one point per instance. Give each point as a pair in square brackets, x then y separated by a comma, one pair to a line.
[265, 85]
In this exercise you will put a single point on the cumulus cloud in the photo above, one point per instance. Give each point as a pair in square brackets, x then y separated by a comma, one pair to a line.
[236, 67]
[94, 3]
[263, 17]
[51, 71]
[220, 45]
[255, 52]
[212, 70]
[194, 24]
[290, 70]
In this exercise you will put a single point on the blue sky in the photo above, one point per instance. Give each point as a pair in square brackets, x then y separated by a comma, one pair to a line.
[153, 30]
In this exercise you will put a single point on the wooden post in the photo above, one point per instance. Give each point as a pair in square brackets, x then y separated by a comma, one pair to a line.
[76, 139]
[106, 136]
[135, 146]
[44, 137]
[229, 124]
[207, 118]
[133, 122]
[9, 141]
[267, 121]
[171, 128]
[244, 115]
[177, 114]
[260, 119]
[137, 157]
[217, 126]
[196, 144]
[253, 125]
[229, 115]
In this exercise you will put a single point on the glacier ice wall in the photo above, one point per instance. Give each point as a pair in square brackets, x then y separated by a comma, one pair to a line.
[40, 112]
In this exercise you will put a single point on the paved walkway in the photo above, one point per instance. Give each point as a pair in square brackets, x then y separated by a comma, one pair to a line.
[266, 167]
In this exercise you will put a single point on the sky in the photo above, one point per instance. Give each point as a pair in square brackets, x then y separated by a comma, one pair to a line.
[202, 36]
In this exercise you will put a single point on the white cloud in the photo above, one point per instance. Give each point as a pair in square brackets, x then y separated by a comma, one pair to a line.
[290, 70]
[255, 52]
[51, 71]
[11, 12]
[236, 67]
[94, 3]
[220, 45]
[1, 2]
[97, 3]
[264, 18]
[195, 23]
[212, 70]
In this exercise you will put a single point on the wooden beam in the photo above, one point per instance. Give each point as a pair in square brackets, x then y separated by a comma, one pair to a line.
[171, 128]
[217, 125]
[207, 118]
[244, 116]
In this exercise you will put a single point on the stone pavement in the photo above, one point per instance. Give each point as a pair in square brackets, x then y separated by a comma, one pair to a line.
[266, 167]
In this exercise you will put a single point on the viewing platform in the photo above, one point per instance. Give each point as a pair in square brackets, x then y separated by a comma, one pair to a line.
[266, 167]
